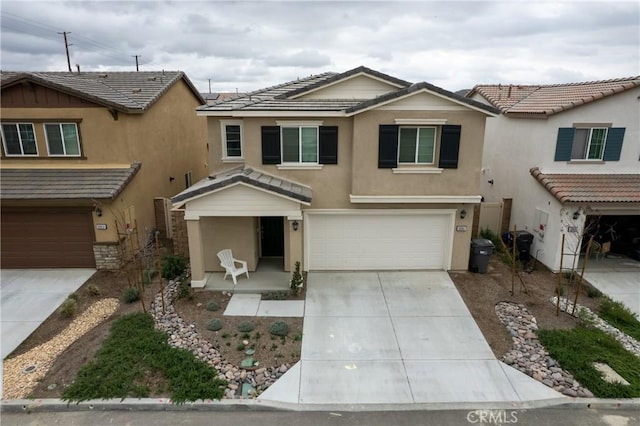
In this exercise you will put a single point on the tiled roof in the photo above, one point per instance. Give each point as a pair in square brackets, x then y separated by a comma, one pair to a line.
[258, 96]
[65, 184]
[279, 98]
[249, 176]
[125, 91]
[550, 99]
[590, 188]
[417, 87]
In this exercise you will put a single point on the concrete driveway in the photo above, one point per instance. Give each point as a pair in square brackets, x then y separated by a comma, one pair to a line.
[29, 296]
[395, 338]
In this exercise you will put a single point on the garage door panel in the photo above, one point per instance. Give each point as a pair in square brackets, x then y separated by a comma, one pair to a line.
[47, 239]
[378, 241]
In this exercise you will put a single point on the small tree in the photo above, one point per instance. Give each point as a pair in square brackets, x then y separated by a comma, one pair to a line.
[296, 279]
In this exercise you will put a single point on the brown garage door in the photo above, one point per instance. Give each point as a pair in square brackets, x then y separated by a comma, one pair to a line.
[47, 239]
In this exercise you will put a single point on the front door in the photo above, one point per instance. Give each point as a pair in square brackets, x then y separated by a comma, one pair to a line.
[272, 236]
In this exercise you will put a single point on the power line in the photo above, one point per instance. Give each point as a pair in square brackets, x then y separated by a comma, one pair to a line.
[44, 29]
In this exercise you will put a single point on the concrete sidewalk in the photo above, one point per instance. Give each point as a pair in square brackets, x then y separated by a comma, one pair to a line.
[396, 338]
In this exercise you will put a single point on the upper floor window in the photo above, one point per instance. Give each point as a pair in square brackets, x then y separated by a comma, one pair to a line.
[419, 145]
[231, 139]
[19, 139]
[584, 142]
[62, 139]
[588, 144]
[416, 145]
[300, 144]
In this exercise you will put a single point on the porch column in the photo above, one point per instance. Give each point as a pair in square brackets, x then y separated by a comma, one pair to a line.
[293, 244]
[196, 253]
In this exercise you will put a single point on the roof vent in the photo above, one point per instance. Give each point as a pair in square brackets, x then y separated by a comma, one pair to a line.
[103, 75]
[136, 90]
[151, 78]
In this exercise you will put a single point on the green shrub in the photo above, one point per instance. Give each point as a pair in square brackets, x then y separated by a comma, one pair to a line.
[279, 328]
[593, 293]
[74, 296]
[93, 290]
[130, 295]
[619, 316]
[212, 305]
[214, 324]
[246, 326]
[68, 308]
[185, 291]
[240, 347]
[173, 266]
[296, 279]
[488, 234]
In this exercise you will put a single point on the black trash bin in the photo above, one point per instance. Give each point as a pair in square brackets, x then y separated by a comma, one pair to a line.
[481, 250]
[524, 240]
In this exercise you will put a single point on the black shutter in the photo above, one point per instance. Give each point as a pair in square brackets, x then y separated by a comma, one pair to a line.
[270, 145]
[613, 147]
[449, 147]
[564, 144]
[388, 147]
[328, 145]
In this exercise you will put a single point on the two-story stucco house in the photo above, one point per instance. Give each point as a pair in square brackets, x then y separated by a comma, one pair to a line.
[568, 157]
[350, 171]
[83, 157]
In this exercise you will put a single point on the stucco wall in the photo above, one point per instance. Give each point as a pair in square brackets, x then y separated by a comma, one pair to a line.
[514, 145]
[168, 139]
[236, 233]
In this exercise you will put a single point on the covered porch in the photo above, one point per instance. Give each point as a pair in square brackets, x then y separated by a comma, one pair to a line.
[268, 276]
[256, 215]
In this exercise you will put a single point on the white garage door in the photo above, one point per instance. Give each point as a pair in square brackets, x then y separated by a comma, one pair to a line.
[378, 240]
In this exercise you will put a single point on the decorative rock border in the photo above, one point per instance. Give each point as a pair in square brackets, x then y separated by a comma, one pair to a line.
[530, 356]
[183, 335]
[628, 342]
[22, 373]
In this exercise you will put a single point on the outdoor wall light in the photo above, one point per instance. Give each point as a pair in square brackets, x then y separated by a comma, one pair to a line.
[171, 178]
[576, 215]
[98, 211]
[294, 225]
[463, 214]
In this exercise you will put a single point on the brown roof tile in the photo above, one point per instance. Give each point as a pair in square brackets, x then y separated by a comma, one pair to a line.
[590, 188]
[65, 184]
[550, 99]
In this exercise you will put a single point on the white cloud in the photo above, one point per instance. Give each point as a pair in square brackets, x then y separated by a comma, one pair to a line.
[249, 45]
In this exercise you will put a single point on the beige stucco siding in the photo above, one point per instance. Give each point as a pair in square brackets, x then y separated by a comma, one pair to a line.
[368, 179]
[168, 140]
[240, 234]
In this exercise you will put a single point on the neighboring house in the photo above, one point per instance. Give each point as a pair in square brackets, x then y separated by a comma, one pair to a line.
[568, 157]
[350, 171]
[213, 98]
[84, 151]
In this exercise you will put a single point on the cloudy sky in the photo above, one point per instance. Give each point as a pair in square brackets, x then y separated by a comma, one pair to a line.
[247, 45]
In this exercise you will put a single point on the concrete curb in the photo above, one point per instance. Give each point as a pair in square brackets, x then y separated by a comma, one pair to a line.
[163, 404]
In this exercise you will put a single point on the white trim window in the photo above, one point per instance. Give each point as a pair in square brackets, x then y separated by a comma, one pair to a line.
[299, 144]
[19, 139]
[588, 143]
[231, 140]
[62, 139]
[417, 145]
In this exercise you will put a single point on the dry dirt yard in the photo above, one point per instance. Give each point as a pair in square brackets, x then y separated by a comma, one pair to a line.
[480, 292]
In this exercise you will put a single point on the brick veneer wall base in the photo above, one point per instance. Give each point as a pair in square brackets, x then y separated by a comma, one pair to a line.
[108, 255]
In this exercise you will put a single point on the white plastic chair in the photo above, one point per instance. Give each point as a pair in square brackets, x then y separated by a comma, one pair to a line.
[229, 264]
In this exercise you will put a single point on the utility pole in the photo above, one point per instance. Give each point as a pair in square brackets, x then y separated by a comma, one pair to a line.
[66, 47]
[209, 85]
[137, 56]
